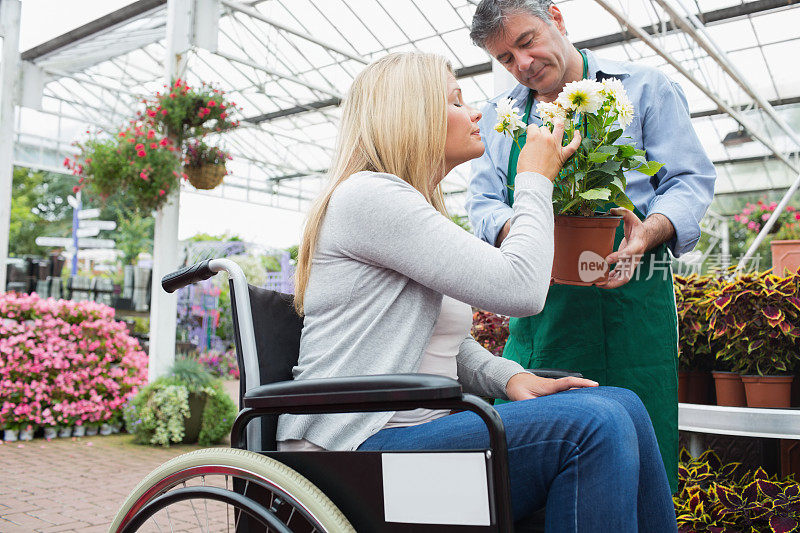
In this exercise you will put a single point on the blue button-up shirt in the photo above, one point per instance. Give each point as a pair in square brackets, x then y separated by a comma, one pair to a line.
[681, 191]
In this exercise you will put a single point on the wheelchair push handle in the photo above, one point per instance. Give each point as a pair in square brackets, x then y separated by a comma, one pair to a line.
[187, 275]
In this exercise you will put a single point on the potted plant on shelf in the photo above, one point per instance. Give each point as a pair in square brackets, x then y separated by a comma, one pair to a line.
[695, 355]
[785, 247]
[785, 232]
[592, 178]
[754, 317]
[204, 165]
[725, 498]
[138, 163]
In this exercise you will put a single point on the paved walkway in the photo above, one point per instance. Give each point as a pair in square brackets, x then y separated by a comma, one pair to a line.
[73, 484]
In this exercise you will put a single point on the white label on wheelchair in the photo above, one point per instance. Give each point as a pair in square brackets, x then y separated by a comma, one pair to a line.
[436, 488]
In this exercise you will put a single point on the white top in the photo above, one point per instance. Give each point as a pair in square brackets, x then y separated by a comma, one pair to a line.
[452, 325]
[439, 358]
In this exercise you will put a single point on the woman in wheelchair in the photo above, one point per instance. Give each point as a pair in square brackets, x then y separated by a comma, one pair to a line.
[385, 281]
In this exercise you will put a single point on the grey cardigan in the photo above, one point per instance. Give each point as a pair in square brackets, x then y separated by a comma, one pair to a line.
[384, 258]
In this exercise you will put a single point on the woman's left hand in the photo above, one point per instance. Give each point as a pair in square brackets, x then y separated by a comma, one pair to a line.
[524, 385]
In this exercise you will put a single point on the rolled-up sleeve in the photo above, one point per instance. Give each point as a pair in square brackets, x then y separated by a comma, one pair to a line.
[487, 194]
[684, 187]
[482, 373]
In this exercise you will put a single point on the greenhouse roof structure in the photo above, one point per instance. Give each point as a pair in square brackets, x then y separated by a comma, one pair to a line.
[287, 63]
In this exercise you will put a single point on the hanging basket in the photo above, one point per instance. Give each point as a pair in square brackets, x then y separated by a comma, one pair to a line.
[205, 177]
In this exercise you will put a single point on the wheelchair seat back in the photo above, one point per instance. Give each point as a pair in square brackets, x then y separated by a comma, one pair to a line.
[277, 329]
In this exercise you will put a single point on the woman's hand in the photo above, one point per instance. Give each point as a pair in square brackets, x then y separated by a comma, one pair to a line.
[524, 386]
[543, 152]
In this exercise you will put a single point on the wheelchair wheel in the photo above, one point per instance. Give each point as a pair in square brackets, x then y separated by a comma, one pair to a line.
[224, 489]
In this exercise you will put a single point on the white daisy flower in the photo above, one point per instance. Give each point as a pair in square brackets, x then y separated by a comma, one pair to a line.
[508, 119]
[506, 107]
[619, 100]
[613, 87]
[551, 112]
[584, 96]
[624, 112]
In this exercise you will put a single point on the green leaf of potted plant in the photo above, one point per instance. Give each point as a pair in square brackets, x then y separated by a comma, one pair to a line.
[593, 178]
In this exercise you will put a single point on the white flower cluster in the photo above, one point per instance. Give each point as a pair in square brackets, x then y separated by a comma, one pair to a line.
[508, 118]
[589, 96]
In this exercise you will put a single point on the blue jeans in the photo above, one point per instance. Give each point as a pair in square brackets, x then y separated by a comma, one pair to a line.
[590, 455]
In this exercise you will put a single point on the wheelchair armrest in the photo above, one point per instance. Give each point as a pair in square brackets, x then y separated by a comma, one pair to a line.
[366, 390]
[553, 373]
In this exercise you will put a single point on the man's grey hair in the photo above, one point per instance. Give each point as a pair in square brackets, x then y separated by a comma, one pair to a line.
[491, 16]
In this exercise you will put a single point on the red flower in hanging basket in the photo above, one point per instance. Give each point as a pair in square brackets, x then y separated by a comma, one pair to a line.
[110, 166]
[186, 112]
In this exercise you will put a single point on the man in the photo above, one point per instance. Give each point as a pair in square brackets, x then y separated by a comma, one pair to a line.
[625, 333]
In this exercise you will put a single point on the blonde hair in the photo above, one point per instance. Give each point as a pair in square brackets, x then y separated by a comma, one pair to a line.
[394, 120]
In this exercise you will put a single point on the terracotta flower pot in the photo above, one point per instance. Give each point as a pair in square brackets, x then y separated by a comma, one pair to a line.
[768, 391]
[683, 386]
[581, 246]
[700, 387]
[730, 389]
[785, 256]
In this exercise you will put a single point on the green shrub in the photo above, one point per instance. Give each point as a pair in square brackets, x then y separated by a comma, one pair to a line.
[191, 373]
[218, 416]
[158, 414]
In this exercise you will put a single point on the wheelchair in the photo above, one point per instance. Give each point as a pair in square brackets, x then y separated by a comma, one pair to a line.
[253, 487]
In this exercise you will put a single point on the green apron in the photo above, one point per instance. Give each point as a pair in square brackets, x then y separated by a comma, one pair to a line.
[624, 337]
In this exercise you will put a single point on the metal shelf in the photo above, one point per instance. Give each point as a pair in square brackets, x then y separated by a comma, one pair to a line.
[741, 421]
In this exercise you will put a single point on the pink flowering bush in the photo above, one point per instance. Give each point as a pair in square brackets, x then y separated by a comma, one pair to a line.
[220, 364]
[753, 216]
[64, 362]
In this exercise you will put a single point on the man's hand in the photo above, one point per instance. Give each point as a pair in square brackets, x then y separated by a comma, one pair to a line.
[639, 238]
[524, 386]
[503, 233]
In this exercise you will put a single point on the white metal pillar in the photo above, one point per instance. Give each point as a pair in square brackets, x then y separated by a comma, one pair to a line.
[163, 306]
[9, 79]
[503, 79]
